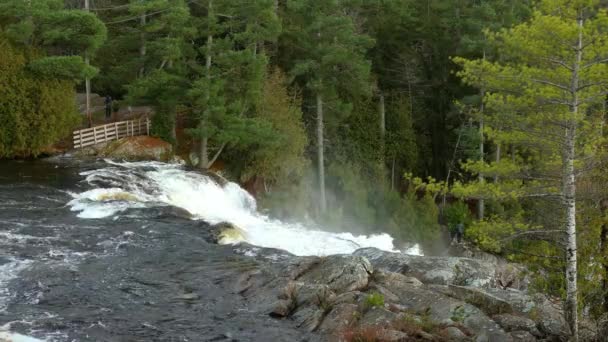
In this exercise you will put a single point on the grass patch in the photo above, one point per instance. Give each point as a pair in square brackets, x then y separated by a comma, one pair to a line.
[374, 299]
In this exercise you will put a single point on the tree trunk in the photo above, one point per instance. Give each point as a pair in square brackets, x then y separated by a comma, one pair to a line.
[569, 193]
[320, 154]
[382, 111]
[604, 250]
[87, 85]
[569, 196]
[481, 206]
[173, 114]
[481, 202]
[203, 161]
[497, 159]
[393, 174]
[142, 46]
[203, 154]
[87, 81]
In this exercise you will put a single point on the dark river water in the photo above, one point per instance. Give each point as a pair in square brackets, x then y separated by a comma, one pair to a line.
[144, 275]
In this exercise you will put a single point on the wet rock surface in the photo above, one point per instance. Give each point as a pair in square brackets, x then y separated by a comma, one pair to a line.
[157, 275]
[434, 270]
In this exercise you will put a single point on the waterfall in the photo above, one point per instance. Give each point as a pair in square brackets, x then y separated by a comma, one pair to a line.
[121, 186]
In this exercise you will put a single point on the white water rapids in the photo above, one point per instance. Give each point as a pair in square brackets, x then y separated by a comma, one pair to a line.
[144, 184]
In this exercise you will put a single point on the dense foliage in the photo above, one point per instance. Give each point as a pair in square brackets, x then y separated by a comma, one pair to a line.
[545, 101]
[42, 48]
[35, 111]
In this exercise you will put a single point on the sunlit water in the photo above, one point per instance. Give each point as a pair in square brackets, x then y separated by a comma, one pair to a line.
[121, 186]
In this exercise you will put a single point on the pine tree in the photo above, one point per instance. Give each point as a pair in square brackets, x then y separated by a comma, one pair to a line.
[281, 164]
[55, 40]
[162, 77]
[228, 86]
[543, 93]
[330, 61]
[63, 35]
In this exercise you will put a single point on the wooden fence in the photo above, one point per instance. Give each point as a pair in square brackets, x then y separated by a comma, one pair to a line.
[112, 131]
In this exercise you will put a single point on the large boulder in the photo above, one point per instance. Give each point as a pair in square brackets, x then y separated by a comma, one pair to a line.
[433, 270]
[547, 313]
[454, 334]
[517, 323]
[342, 273]
[439, 308]
[138, 148]
[392, 280]
[522, 336]
[508, 274]
[308, 318]
[225, 233]
[340, 317]
[377, 316]
[523, 307]
[485, 301]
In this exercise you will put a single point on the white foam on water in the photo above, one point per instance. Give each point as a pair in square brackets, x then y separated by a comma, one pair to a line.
[99, 203]
[414, 250]
[23, 238]
[8, 272]
[6, 336]
[207, 200]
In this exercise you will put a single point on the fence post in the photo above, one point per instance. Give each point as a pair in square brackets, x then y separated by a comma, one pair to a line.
[147, 126]
[105, 132]
[95, 134]
[116, 131]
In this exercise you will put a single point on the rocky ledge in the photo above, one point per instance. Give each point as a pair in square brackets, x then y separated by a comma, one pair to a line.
[375, 295]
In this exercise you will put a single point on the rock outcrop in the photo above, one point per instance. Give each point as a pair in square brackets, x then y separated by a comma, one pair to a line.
[434, 270]
[395, 297]
[131, 148]
[138, 148]
[225, 233]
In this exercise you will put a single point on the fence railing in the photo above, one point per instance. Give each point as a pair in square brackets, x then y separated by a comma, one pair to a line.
[112, 131]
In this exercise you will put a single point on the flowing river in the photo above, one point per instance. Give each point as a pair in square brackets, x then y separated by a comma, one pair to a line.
[102, 251]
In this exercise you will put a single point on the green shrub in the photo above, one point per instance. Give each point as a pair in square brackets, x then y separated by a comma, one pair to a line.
[35, 112]
[457, 212]
[374, 299]
[162, 126]
[426, 321]
[62, 67]
[459, 314]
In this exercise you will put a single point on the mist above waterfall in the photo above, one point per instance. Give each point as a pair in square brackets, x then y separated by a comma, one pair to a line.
[122, 186]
